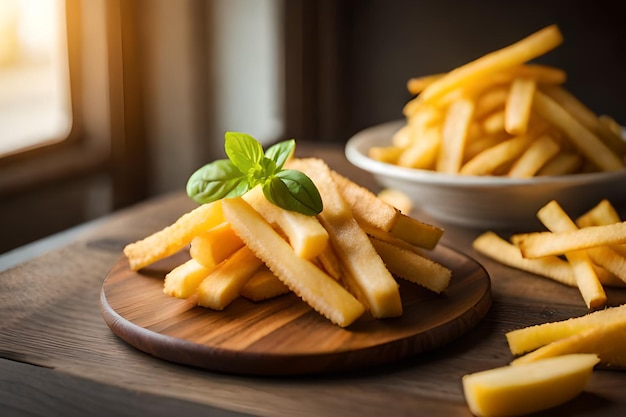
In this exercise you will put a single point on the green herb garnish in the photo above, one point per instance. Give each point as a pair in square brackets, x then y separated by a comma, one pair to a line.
[248, 166]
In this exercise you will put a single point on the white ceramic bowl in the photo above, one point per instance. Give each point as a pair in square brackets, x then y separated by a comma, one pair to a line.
[484, 202]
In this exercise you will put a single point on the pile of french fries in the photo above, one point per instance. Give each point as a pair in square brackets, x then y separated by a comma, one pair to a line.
[588, 253]
[502, 115]
[343, 262]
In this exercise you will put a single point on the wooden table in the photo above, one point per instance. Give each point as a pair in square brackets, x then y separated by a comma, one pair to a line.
[58, 357]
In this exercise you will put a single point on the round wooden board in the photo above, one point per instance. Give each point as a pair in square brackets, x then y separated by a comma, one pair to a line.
[284, 336]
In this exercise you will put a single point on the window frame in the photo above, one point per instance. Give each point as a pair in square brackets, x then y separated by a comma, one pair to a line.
[103, 107]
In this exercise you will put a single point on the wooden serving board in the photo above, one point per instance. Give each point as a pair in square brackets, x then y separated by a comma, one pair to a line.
[284, 336]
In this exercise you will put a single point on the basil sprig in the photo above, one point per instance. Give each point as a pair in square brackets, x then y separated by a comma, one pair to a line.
[248, 166]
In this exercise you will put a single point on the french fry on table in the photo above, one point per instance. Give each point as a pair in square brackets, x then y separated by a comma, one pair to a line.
[527, 339]
[556, 220]
[537, 244]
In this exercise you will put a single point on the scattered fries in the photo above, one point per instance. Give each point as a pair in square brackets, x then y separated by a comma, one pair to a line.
[584, 253]
[343, 262]
[501, 115]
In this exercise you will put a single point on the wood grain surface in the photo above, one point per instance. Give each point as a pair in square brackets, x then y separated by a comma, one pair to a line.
[284, 336]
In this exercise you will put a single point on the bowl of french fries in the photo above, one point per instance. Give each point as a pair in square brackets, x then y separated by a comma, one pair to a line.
[488, 143]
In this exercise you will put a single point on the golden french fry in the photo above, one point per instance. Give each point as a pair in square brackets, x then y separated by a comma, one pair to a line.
[518, 105]
[373, 213]
[556, 220]
[263, 285]
[562, 164]
[305, 234]
[540, 151]
[454, 135]
[397, 199]
[417, 84]
[592, 147]
[517, 53]
[537, 244]
[602, 213]
[364, 271]
[609, 135]
[223, 284]
[491, 100]
[175, 237]
[316, 288]
[486, 162]
[182, 281]
[388, 154]
[213, 246]
[422, 153]
[498, 249]
[607, 340]
[530, 338]
[409, 265]
[493, 124]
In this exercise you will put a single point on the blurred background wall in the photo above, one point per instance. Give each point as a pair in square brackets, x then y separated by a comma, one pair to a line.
[156, 83]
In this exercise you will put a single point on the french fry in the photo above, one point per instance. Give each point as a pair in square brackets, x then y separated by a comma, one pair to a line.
[588, 143]
[213, 246]
[527, 339]
[517, 53]
[495, 247]
[486, 162]
[601, 214]
[537, 244]
[388, 154]
[506, 253]
[555, 219]
[607, 340]
[409, 265]
[224, 283]
[613, 257]
[373, 213]
[491, 100]
[316, 288]
[540, 151]
[509, 98]
[562, 164]
[454, 135]
[364, 205]
[263, 285]
[610, 136]
[417, 84]
[182, 281]
[397, 199]
[175, 237]
[364, 271]
[305, 233]
[518, 105]
[422, 153]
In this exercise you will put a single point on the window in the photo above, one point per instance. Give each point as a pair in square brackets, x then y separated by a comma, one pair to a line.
[34, 76]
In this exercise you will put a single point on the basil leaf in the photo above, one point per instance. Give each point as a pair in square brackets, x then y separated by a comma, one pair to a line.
[281, 152]
[245, 152]
[293, 190]
[267, 169]
[219, 179]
